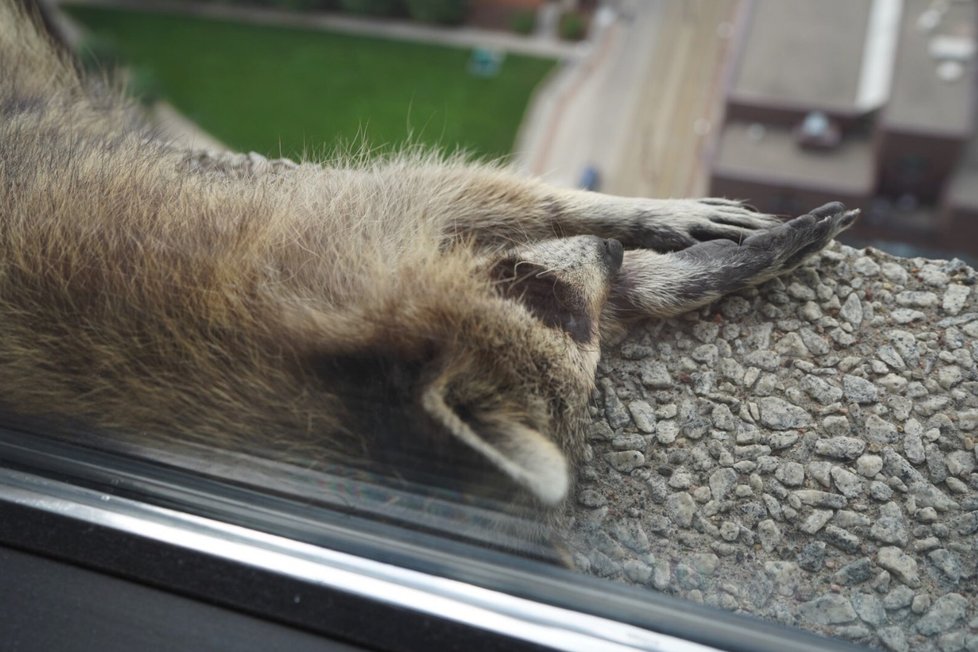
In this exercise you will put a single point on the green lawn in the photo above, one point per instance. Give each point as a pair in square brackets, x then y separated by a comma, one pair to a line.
[283, 91]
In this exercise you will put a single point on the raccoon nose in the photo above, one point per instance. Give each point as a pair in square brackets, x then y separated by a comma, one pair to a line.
[613, 254]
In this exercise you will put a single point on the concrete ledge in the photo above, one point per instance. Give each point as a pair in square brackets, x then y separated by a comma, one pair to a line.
[804, 452]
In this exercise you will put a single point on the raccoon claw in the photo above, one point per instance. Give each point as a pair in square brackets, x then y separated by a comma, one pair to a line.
[673, 225]
[728, 219]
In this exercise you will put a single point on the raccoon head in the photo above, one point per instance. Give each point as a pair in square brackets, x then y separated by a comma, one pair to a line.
[515, 388]
[470, 371]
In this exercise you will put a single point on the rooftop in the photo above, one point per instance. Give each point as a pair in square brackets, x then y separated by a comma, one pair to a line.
[803, 53]
[748, 151]
[921, 101]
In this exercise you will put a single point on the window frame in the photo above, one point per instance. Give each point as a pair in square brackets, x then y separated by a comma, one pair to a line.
[381, 585]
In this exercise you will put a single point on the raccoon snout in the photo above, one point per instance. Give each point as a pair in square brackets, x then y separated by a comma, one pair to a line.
[613, 254]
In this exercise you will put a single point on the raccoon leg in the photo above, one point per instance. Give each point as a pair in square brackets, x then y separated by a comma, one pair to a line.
[662, 285]
[659, 224]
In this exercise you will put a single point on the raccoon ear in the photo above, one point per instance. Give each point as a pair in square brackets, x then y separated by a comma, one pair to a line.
[525, 455]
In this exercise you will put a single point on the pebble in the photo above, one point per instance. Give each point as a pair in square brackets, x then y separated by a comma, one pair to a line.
[791, 474]
[816, 498]
[869, 608]
[812, 556]
[968, 523]
[666, 432]
[916, 299]
[852, 310]
[680, 480]
[591, 498]
[921, 603]
[906, 315]
[842, 448]
[890, 527]
[769, 534]
[680, 509]
[869, 465]
[836, 425]
[779, 414]
[841, 538]
[637, 571]
[893, 638]
[815, 343]
[954, 298]
[902, 566]
[628, 442]
[815, 521]
[857, 572]
[880, 431]
[729, 531]
[866, 266]
[946, 612]
[858, 390]
[615, 411]
[831, 609]
[625, 461]
[906, 346]
[894, 273]
[643, 415]
[947, 562]
[932, 276]
[656, 376]
[960, 463]
[821, 390]
[849, 484]
[820, 471]
[889, 355]
[792, 346]
[846, 518]
[721, 482]
[913, 446]
[899, 597]
[784, 574]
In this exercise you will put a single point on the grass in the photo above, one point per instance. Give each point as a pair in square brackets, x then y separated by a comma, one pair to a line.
[281, 91]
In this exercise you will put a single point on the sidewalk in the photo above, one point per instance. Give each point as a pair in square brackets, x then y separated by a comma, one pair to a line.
[640, 108]
[581, 117]
[461, 37]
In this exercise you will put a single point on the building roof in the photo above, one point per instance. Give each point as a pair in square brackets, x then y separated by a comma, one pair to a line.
[805, 53]
[920, 100]
[749, 151]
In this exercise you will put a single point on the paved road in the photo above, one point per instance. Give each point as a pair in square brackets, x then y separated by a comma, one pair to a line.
[679, 104]
[641, 106]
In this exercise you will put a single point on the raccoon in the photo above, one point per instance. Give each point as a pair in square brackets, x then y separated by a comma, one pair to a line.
[420, 315]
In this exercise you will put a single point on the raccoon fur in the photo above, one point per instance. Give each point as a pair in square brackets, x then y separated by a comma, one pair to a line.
[419, 315]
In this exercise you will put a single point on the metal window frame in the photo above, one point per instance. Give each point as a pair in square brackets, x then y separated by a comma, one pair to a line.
[367, 583]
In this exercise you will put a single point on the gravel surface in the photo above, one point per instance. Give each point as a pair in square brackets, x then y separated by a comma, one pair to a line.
[804, 452]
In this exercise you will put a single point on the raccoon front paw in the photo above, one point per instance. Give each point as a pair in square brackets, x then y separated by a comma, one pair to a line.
[689, 222]
[792, 242]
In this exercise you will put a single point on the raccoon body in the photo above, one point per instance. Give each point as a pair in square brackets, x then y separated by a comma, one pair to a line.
[416, 313]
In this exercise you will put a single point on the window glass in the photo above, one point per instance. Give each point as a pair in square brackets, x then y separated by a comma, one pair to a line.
[344, 323]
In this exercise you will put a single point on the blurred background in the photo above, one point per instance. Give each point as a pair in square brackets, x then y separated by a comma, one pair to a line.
[784, 103]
